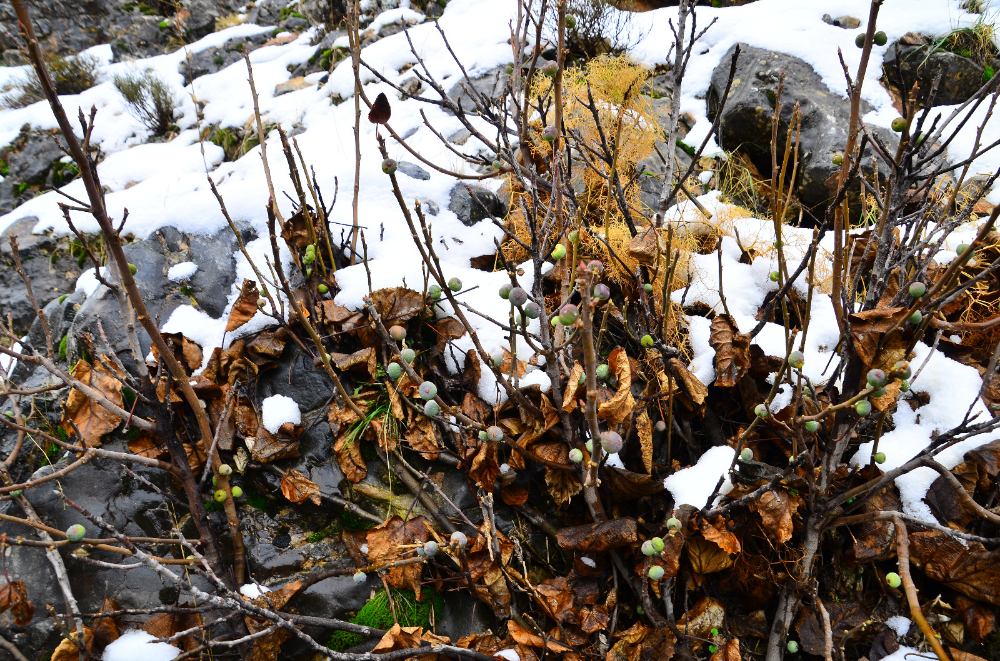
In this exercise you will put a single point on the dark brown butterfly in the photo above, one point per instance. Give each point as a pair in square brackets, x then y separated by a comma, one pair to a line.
[381, 111]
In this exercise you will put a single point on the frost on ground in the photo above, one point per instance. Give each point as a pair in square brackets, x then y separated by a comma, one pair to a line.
[134, 645]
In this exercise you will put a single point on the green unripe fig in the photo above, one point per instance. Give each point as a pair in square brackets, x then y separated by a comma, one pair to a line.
[550, 68]
[132, 268]
[389, 166]
[859, 40]
[863, 408]
[916, 318]
[76, 533]
[647, 548]
[220, 495]
[570, 21]
[225, 470]
[877, 378]
[16, 492]
[792, 646]
[323, 289]
[311, 249]
[408, 355]
[574, 236]
[427, 390]
[761, 411]
[237, 492]
[879, 457]
[646, 341]
[796, 359]
[431, 409]
[496, 165]
[648, 287]
[532, 310]
[215, 481]
[904, 386]
[774, 276]
[483, 436]
[893, 580]
[917, 289]
[612, 442]
[455, 284]
[394, 370]
[657, 543]
[494, 433]
[838, 158]
[589, 445]
[550, 133]
[878, 393]
[602, 292]
[505, 290]
[576, 455]
[434, 291]
[674, 524]
[880, 38]
[811, 426]
[639, 610]
[568, 314]
[603, 371]
[510, 69]
[559, 251]
[962, 248]
[309, 258]
[655, 573]
[746, 454]
[899, 124]
[518, 296]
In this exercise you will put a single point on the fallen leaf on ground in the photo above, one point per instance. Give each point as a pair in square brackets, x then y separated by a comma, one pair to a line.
[298, 488]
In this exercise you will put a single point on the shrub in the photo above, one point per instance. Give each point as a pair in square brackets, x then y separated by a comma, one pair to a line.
[71, 74]
[600, 28]
[228, 21]
[149, 99]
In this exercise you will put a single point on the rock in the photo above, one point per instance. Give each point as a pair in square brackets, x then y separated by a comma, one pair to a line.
[33, 162]
[961, 77]
[293, 85]
[212, 60]
[48, 264]
[209, 286]
[294, 23]
[411, 87]
[846, 22]
[746, 121]
[413, 170]
[473, 204]
[490, 85]
[432, 207]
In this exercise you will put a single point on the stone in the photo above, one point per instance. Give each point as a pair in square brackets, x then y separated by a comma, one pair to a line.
[746, 121]
[432, 207]
[473, 203]
[490, 86]
[33, 162]
[846, 22]
[413, 170]
[961, 77]
[215, 59]
[293, 85]
[209, 286]
[46, 260]
[411, 87]
[294, 23]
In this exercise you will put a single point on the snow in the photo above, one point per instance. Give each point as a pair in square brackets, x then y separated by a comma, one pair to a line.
[694, 485]
[252, 590]
[276, 410]
[508, 655]
[905, 654]
[537, 377]
[899, 624]
[181, 272]
[588, 561]
[87, 282]
[136, 644]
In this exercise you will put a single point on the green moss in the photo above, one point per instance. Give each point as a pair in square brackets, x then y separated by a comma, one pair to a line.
[62, 348]
[688, 149]
[377, 613]
[317, 536]
[352, 521]
[219, 60]
[212, 506]
[259, 501]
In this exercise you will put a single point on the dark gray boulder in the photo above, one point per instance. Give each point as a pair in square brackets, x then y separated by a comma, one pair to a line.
[749, 111]
[473, 203]
[914, 59]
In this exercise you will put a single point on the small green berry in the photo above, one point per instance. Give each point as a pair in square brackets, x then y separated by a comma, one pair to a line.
[878, 393]
[568, 314]
[132, 268]
[237, 492]
[550, 133]
[434, 291]
[893, 580]
[761, 411]
[879, 457]
[792, 493]
[16, 492]
[612, 442]
[603, 371]
[576, 455]
[646, 341]
[573, 236]
[559, 251]
[792, 646]
[863, 408]
[648, 287]
[880, 38]
[838, 158]
[323, 289]
[901, 369]
[225, 470]
[483, 436]
[674, 524]
[904, 386]
[639, 610]
[655, 573]
[657, 543]
[496, 165]
[532, 310]
[647, 548]
[859, 40]
[918, 289]
[427, 390]
[431, 409]
[459, 539]
[774, 276]
[916, 318]
[962, 248]
[570, 21]
[494, 433]
[602, 292]
[811, 426]
[877, 378]
[505, 290]
[589, 445]
[389, 166]
[746, 454]
[518, 296]
[408, 355]
[455, 284]
[220, 495]
[76, 533]
[796, 359]
[899, 124]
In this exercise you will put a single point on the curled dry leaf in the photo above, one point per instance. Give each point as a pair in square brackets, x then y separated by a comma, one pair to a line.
[91, 419]
[298, 488]
[269, 447]
[387, 541]
[349, 457]
[525, 637]
[732, 350]
[776, 510]
[514, 494]
[640, 642]
[621, 405]
[707, 557]
[105, 628]
[67, 649]
[397, 304]
[14, 596]
[364, 358]
[728, 651]
[717, 533]
[867, 329]
[598, 537]
[245, 306]
[573, 385]
[971, 569]
[705, 615]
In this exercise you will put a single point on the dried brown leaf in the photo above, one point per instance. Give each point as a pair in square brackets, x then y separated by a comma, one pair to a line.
[298, 488]
[776, 510]
[91, 419]
[732, 350]
[385, 544]
[245, 306]
[621, 405]
[972, 569]
[598, 537]
[397, 304]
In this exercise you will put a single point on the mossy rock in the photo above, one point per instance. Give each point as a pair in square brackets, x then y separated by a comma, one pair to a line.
[377, 613]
